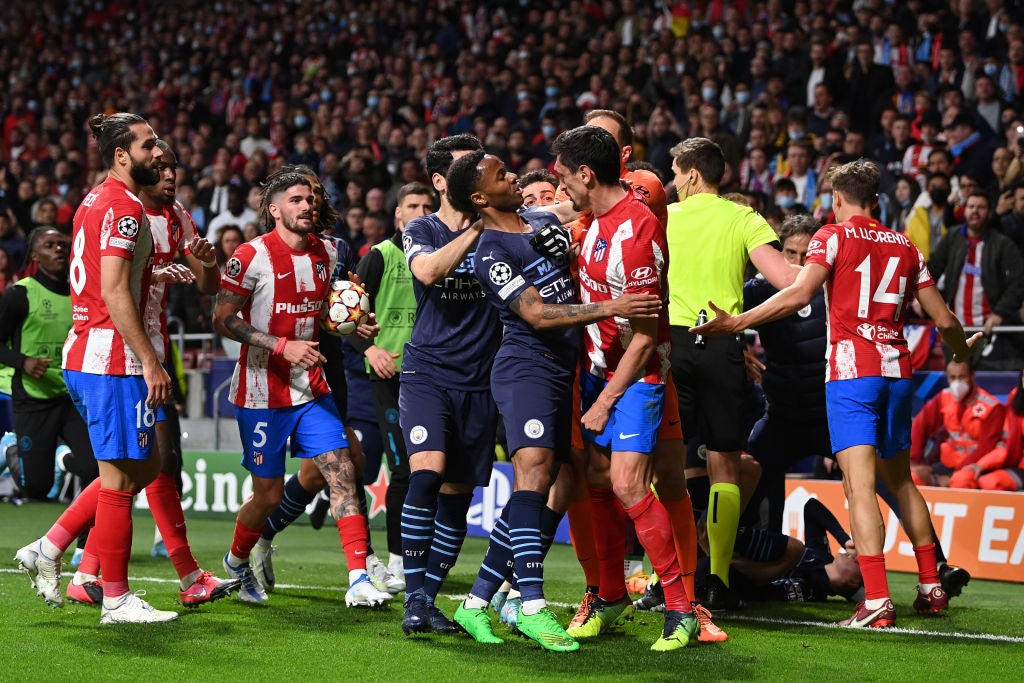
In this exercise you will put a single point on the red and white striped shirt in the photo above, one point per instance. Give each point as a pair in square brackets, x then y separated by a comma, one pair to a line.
[624, 251]
[110, 222]
[873, 273]
[173, 229]
[970, 303]
[285, 290]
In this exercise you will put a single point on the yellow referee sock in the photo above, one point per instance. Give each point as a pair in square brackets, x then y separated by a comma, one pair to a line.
[723, 518]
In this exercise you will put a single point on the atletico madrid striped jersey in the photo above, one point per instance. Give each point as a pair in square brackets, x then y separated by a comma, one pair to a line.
[173, 229]
[285, 290]
[111, 221]
[624, 251]
[874, 273]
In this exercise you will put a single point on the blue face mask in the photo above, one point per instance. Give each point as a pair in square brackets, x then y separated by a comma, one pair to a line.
[301, 121]
[825, 201]
[708, 93]
[991, 69]
[786, 202]
[325, 95]
[372, 102]
[522, 94]
[549, 131]
[743, 97]
[551, 91]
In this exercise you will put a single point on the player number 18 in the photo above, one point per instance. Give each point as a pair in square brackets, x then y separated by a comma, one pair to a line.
[881, 295]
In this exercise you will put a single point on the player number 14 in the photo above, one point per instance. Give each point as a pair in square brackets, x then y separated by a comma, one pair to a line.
[881, 295]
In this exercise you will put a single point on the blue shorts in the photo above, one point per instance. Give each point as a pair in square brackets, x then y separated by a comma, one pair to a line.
[315, 428]
[460, 424]
[535, 401]
[634, 421]
[872, 411]
[120, 424]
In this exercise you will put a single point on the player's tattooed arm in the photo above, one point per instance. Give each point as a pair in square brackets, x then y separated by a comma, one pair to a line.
[340, 474]
[530, 307]
[227, 322]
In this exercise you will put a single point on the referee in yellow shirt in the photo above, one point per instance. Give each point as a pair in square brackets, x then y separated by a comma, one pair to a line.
[710, 240]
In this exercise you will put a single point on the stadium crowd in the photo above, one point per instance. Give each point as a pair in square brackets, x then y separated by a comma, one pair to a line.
[785, 93]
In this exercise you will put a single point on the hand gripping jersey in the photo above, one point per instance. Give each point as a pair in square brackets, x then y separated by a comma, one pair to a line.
[110, 222]
[286, 289]
[173, 229]
[623, 251]
[873, 273]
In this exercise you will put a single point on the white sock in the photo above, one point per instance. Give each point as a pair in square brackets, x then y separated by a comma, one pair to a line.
[395, 564]
[114, 603]
[876, 603]
[926, 588]
[235, 561]
[531, 607]
[81, 579]
[190, 578]
[505, 587]
[634, 567]
[157, 536]
[473, 602]
[263, 544]
[354, 575]
[513, 594]
[50, 551]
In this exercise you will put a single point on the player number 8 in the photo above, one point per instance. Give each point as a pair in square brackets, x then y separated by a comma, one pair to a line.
[77, 265]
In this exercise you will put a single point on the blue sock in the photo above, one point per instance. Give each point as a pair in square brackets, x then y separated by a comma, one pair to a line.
[449, 533]
[418, 526]
[549, 521]
[498, 562]
[293, 504]
[524, 519]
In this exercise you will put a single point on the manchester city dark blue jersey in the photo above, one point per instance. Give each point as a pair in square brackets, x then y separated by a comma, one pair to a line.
[507, 265]
[456, 333]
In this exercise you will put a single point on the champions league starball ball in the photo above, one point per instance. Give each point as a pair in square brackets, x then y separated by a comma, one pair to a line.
[346, 306]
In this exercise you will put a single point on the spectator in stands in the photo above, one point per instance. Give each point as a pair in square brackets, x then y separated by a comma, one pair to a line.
[974, 255]
[930, 219]
[228, 239]
[1011, 223]
[1000, 468]
[955, 429]
[237, 213]
[12, 242]
[213, 192]
[972, 154]
[798, 170]
[869, 85]
[904, 196]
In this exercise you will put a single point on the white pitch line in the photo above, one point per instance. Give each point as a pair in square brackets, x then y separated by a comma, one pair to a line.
[724, 617]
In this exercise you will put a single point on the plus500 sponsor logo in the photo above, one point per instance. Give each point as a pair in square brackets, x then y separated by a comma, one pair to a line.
[296, 309]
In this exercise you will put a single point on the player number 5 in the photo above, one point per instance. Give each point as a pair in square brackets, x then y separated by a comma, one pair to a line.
[261, 435]
[882, 295]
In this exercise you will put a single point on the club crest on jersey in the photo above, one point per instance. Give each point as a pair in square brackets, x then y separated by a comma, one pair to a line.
[534, 429]
[175, 230]
[143, 438]
[257, 457]
[805, 311]
[128, 226]
[321, 272]
[233, 267]
[500, 273]
[418, 435]
[600, 250]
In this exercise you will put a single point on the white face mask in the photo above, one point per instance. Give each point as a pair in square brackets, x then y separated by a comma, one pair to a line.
[959, 388]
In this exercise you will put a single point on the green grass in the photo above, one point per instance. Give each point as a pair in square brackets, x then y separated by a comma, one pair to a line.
[306, 632]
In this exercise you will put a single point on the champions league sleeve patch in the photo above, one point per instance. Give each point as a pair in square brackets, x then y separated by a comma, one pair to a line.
[128, 226]
[500, 273]
[233, 268]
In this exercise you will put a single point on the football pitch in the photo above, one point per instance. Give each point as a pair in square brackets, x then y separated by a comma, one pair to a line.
[305, 632]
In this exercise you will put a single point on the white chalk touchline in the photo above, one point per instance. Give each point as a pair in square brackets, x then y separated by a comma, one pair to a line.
[722, 617]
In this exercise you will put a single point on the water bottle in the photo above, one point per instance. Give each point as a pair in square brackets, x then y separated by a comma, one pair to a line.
[702, 318]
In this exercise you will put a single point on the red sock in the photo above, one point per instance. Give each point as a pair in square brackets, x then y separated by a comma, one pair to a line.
[352, 531]
[872, 568]
[113, 532]
[654, 529]
[608, 519]
[90, 563]
[684, 534]
[77, 518]
[927, 565]
[245, 539]
[165, 504]
[581, 531]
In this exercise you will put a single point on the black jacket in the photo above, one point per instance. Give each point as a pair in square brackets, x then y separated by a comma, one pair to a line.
[1002, 270]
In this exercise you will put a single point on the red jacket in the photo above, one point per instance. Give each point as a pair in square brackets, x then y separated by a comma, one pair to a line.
[974, 426]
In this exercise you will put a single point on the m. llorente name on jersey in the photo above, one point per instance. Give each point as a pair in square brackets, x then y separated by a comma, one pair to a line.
[462, 284]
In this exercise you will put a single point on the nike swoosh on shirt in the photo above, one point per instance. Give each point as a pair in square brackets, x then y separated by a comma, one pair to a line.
[628, 436]
[281, 276]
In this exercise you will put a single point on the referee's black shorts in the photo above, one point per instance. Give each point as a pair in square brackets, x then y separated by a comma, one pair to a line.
[710, 381]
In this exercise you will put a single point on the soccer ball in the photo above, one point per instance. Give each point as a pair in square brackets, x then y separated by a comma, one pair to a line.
[346, 306]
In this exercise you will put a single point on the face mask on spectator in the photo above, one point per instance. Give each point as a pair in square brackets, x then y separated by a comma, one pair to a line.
[742, 96]
[718, 31]
[959, 389]
[991, 69]
[939, 196]
[825, 201]
[301, 121]
[796, 134]
[551, 91]
[549, 131]
[372, 102]
[709, 93]
[325, 95]
[664, 68]
[522, 94]
[786, 201]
